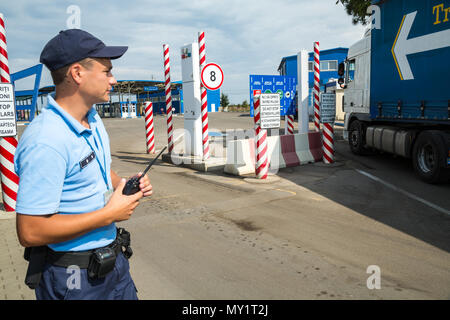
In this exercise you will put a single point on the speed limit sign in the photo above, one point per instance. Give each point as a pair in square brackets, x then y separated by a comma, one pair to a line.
[212, 76]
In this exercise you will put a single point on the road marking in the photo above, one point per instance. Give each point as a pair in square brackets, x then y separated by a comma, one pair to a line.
[291, 192]
[232, 181]
[406, 193]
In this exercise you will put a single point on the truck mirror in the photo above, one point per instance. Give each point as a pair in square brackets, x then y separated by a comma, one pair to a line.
[341, 69]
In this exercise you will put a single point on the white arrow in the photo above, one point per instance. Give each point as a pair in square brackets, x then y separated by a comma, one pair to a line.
[403, 46]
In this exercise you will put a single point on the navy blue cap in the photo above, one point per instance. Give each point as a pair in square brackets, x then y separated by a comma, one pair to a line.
[73, 45]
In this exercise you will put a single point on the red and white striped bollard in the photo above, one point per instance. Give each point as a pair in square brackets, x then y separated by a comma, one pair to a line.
[203, 94]
[8, 145]
[316, 89]
[149, 127]
[261, 164]
[168, 98]
[328, 143]
[289, 124]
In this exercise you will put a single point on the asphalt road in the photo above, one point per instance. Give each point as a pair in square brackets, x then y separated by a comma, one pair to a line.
[310, 235]
[313, 233]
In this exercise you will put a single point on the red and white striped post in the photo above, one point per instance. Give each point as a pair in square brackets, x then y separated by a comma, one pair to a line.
[261, 165]
[289, 124]
[316, 90]
[168, 98]
[8, 145]
[149, 127]
[203, 94]
[328, 143]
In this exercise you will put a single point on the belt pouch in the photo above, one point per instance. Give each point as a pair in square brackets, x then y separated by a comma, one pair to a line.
[36, 257]
[101, 262]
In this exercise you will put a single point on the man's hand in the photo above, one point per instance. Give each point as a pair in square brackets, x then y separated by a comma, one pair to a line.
[38, 230]
[122, 206]
[144, 184]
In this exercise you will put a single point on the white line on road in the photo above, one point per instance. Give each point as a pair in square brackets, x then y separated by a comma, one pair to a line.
[406, 193]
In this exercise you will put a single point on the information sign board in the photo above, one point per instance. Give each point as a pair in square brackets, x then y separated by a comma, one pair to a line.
[8, 125]
[327, 107]
[270, 110]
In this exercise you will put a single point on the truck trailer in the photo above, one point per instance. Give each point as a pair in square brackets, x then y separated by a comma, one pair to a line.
[396, 84]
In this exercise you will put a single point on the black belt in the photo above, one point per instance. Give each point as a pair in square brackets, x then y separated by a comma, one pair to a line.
[82, 258]
[99, 261]
[77, 258]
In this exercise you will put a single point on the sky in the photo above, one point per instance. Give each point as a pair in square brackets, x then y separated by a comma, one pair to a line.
[243, 37]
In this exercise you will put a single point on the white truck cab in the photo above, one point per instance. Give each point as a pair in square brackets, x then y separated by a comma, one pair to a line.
[357, 80]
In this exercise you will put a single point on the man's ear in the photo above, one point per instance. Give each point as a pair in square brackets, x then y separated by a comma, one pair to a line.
[76, 72]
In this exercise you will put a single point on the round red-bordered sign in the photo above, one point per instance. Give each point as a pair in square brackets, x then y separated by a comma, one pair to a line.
[212, 76]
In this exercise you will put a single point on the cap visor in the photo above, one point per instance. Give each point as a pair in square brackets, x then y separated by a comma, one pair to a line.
[112, 52]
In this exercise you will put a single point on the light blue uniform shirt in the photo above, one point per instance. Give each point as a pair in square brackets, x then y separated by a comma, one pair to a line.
[59, 173]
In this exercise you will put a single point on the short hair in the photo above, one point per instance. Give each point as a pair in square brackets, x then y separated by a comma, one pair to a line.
[60, 74]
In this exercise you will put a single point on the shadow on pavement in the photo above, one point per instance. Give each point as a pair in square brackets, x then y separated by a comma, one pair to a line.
[347, 187]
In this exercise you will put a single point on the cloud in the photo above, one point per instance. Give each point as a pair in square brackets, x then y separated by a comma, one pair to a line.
[244, 37]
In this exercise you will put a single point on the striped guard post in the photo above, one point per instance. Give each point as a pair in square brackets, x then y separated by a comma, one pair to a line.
[290, 124]
[149, 127]
[316, 90]
[168, 98]
[261, 165]
[328, 143]
[203, 93]
[8, 145]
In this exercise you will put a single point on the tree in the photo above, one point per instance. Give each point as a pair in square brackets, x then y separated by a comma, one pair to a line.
[357, 9]
[224, 102]
[245, 104]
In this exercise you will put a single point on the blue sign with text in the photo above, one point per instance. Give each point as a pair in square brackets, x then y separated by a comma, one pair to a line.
[151, 88]
[283, 85]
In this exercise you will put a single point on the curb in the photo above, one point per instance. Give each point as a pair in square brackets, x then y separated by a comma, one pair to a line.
[268, 180]
[196, 163]
[329, 165]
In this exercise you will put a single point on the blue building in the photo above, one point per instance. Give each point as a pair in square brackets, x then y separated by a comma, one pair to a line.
[158, 98]
[329, 61]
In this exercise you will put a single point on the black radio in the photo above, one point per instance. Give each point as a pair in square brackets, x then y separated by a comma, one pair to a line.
[132, 185]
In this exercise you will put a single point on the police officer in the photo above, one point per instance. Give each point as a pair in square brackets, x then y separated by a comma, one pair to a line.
[69, 198]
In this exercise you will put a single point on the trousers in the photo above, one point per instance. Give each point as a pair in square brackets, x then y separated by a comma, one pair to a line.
[73, 283]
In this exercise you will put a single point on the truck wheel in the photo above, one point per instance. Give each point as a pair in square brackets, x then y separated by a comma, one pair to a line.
[357, 137]
[428, 157]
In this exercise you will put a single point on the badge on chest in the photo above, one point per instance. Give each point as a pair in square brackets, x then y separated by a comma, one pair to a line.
[87, 160]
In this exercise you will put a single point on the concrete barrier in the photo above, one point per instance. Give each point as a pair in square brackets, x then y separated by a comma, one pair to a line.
[283, 151]
[240, 157]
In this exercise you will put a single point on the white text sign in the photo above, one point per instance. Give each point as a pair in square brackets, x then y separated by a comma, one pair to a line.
[270, 110]
[8, 126]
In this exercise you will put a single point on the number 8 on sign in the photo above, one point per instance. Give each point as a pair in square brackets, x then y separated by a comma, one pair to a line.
[212, 76]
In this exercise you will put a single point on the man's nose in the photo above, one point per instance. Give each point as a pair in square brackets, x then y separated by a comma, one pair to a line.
[113, 81]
